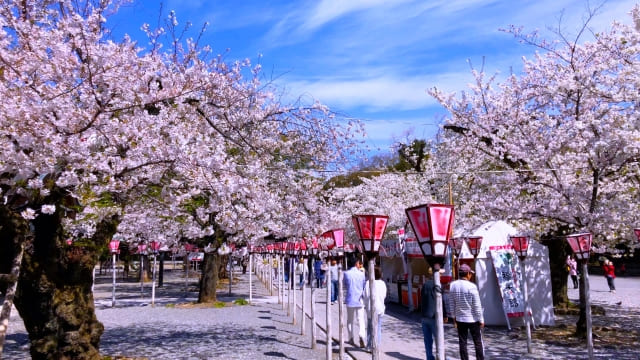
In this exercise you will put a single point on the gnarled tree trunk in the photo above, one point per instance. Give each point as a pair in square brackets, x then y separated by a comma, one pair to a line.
[54, 292]
[209, 279]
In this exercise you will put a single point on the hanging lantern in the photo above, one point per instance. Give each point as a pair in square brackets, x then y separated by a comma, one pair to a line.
[456, 245]
[475, 244]
[581, 245]
[113, 246]
[432, 225]
[520, 245]
[370, 230]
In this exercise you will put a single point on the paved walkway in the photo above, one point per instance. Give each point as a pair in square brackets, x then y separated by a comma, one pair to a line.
[265, 329]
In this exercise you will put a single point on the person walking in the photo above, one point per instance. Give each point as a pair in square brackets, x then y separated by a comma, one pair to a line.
[333, 269]
[379, 295]
[300, 271]
[354, 282]
[467, 312]
[244, 262]
[610, 274]
[572, 265]
[318, 272]
[428, 318]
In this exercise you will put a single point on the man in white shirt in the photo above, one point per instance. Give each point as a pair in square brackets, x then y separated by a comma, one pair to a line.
[379, 294]
[467, 312]
[354, 281]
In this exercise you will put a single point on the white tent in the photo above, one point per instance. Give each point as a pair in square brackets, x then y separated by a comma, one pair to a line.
[538, 275]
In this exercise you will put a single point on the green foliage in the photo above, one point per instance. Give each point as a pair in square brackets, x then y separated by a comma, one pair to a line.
[240, 301]
[105, 200]
[219, 304]
[195, 203]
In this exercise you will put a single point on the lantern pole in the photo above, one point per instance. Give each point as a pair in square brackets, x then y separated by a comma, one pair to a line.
[153, 281]
[432, 225]
[581, 246]
[141, 249]
[113, 246]
[521, 246]
[113, 288]
[329, 350]
[439, 311]
[370, 229]
[340, 312]
[250, 270]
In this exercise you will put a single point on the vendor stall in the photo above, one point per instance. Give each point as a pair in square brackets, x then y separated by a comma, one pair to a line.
[396, 267]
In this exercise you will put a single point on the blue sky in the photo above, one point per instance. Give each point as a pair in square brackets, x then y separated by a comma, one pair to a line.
[373, 59]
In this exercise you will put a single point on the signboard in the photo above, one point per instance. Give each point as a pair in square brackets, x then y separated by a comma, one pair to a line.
[391, 248]
[507, 270]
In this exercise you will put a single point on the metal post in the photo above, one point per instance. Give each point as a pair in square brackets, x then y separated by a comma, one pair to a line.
[527, 316]
[314, 331]
[340, 314]
[270, 275]
[250, 283]
[375, 349]
[230, 273]
[279, 270]
[282, 281]
[585, 277]
[303, 302]
[113, 288]
[186, 277]
[329, 349]
[294, 310]
[153, 283]
[290, 287]
[439, 312]
[141, 276]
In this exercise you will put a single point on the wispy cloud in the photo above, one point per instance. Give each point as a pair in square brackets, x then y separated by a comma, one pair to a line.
[380, 93]
[375, 59]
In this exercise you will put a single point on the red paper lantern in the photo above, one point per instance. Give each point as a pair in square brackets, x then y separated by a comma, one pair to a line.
[155, 246]
[432, 225]
[113, 246]
[474, 243]
[456, 245]
[581, 245]
[370, 230]
[520, 245]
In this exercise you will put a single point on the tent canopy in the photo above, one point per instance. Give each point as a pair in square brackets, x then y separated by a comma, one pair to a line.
[537, 273]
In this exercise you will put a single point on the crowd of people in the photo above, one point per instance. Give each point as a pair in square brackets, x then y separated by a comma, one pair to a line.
[462, 301]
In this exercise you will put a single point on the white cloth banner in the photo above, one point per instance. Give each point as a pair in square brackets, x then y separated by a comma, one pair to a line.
[507, 270]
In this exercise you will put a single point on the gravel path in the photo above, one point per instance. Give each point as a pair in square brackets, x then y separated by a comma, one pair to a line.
[174, 329]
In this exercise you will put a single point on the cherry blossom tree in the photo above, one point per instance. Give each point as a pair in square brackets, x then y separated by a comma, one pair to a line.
[95, 130]
[555, 147]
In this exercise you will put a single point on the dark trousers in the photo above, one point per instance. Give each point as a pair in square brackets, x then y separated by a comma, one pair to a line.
[476, 334]
[611, 283]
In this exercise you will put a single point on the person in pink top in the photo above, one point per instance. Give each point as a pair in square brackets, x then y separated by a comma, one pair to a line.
[610, 274]
[572, 265]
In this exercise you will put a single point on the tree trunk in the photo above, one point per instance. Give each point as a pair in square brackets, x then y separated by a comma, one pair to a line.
[12, 243]
[557, 264]
[209, 279]
[161, 269]
[147, 269]
[54, 295]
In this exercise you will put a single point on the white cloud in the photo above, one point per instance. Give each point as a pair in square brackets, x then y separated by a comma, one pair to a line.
[380, 93]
